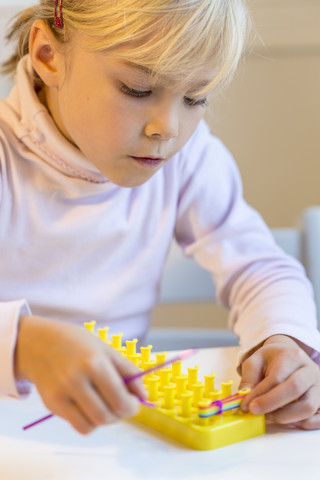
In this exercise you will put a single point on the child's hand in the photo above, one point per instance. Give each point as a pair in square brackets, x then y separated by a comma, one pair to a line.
[79, 377]
[285, 383]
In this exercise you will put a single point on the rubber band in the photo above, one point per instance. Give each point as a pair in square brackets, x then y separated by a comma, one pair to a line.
[219, 404]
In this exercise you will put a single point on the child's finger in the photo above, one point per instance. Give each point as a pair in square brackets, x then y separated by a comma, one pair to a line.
[109, 383]
[128, 369]
[252, 374]
[69, 411]
[92, 405]
[252, 371]
[270, 395]
[267, 384]
[312, 423]
[298, 411]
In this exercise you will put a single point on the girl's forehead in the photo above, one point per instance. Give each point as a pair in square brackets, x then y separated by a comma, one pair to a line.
[197, 80]
[159, 58]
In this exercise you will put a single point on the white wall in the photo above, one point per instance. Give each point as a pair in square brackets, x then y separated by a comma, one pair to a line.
[270, 116]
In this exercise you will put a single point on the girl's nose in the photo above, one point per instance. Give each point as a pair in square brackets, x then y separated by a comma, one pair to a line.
[163, 122]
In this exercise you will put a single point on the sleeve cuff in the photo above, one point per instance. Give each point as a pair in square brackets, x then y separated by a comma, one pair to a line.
[299, 334]
[10, 313]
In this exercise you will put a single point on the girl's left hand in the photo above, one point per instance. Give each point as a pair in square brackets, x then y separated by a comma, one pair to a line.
[284, 382]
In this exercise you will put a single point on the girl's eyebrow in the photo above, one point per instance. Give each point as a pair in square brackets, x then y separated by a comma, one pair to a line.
[127, 63]
[201, 84]
[197, 86]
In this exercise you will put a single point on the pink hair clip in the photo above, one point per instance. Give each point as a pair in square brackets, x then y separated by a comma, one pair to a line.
[58, 20]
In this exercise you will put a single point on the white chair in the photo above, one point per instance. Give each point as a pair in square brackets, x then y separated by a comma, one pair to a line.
[311, 253]
[184, 280]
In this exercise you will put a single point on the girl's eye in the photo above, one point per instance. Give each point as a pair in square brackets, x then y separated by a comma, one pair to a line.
[191, 102]
[135, 93]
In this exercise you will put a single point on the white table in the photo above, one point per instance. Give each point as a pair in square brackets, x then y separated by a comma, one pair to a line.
[128, 451]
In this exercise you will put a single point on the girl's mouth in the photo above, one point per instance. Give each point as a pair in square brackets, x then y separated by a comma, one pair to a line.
[149, 162]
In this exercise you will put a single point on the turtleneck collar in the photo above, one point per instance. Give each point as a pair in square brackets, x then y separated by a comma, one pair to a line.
[35, 127]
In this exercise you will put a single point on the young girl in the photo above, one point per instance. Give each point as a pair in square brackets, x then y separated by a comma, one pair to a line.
[104, 156]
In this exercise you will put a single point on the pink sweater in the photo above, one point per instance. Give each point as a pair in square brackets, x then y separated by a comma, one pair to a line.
[76, 247]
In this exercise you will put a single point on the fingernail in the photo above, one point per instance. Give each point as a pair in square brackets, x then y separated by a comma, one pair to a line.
[254, 408]
[146, 403]
[244, 408]
[243, 387]
[143, 392]
[296, 425]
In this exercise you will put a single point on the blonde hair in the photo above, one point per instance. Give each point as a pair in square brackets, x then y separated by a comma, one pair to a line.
[167, 37]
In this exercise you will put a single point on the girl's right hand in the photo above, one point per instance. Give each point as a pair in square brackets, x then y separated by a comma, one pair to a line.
[78, 376]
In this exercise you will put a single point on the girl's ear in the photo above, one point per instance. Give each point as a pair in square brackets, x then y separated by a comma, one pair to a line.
[46, 60]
